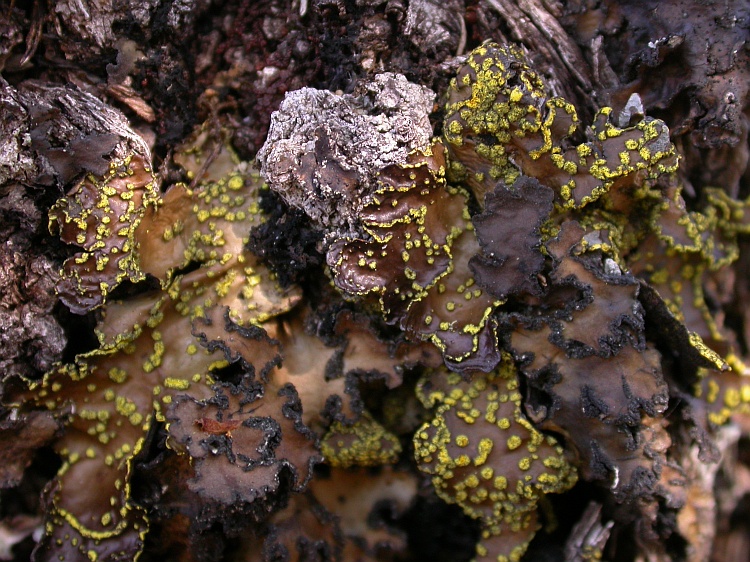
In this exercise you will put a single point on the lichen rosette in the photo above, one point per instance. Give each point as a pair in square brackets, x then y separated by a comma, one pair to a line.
[153, 347]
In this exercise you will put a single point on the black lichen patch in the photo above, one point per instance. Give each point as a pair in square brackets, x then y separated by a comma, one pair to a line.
[286, 241]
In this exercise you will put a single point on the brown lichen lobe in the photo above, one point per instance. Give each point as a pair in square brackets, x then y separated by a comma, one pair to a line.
[153, 348]
[592, 377]
[413, 261]
[485, 455]
[101, 214]
[501, 123]
[240, 440]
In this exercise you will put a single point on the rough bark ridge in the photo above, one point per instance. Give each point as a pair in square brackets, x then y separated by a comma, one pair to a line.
[376, 280]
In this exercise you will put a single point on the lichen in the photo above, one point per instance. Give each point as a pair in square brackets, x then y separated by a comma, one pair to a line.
[102, 214]
[500, 123]
[153, 348]
[583, 269]
[486, 456]
[414, 261]
[558, 301]
[241, 439]
[511, 258]
[592, 376]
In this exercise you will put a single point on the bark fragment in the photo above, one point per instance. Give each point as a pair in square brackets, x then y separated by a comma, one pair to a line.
[323, 151]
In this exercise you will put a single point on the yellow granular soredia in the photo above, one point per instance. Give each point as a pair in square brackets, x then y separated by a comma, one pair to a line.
[499, 101]
[176, 383]
[478, 464]
[364, 443]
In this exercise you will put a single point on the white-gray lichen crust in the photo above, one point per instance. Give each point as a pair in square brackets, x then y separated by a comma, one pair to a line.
[323, 150]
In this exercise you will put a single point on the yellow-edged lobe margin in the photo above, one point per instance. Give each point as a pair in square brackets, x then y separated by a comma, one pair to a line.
[486, 457]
